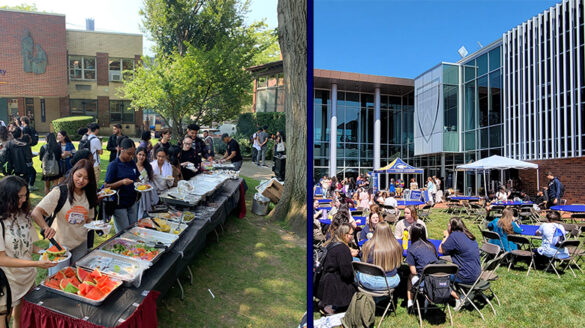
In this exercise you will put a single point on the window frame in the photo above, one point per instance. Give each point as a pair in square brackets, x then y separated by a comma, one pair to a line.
[84, 112]
[82, 68]
[126, 111]
[124, 74]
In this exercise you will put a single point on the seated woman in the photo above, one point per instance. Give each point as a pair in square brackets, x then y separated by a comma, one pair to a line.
[503, 227]
[370, 227]
[391, 201]
[410, 218]
[336, 286]
[502, 195]
[551, 232]
[420, 253]
[460, 244]
[162, 170]
[317, 230]
[382, 250]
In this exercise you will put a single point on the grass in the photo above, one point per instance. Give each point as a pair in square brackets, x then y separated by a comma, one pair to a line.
[538, 300]
[257, 273]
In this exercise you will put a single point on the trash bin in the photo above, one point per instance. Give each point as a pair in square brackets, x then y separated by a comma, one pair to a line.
[260, 204]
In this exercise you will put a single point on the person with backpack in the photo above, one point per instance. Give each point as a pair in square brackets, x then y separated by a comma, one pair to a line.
[461, 245]
[121, 175]
[71, 205]
[17, 267]
[16, 157]
[112, 145]
[94, 145]
[420, 253]
[384, 251]
[50, 155]
[556, 190]
[67, 151]
[553, 233]
[335, 282]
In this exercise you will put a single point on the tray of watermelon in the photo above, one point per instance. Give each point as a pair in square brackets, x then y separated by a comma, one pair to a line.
[81, 285]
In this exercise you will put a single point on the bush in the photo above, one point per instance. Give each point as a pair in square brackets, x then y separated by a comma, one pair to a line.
[71, 125]
[249, 122]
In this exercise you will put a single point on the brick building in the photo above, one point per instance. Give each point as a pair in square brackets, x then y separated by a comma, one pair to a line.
[48, 72]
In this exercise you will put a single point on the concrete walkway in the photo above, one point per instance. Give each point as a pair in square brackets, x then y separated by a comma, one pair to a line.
[259, 173]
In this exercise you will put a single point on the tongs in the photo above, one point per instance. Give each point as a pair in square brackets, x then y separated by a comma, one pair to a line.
[52, 240]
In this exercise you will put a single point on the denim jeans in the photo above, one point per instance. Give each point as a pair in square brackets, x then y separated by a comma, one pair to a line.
[237, 165]
[261, 153]
[376, 282]
[124, 217]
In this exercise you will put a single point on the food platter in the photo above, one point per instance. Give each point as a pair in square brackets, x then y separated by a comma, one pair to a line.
[92, 287]
[164, 225]
[107, 192]
[133, 249]
[97, 225]
[120, 267]
[149, 237]
[142, 187]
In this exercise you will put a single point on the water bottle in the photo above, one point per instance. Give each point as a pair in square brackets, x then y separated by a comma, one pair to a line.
[405, 239]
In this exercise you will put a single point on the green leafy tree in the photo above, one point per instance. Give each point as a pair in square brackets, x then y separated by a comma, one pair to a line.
[22, 7]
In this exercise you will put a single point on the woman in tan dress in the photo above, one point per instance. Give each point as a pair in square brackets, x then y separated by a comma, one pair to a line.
[16, 246]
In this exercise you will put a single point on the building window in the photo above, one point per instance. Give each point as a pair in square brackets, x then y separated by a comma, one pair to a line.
[121, 112]
[120, 68]
[81, 68]
[270, 93]
[81, 107]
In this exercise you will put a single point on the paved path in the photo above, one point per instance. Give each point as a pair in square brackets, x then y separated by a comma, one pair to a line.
[250, 170]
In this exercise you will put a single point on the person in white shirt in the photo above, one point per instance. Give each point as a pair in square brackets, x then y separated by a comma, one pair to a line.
[431, 188]
[502, 195]
[391, 201]
[256, 146]
[162, 178]
[95, 147]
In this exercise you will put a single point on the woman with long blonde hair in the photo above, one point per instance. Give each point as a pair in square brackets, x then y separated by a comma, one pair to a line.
[384, 251]
[504, 226]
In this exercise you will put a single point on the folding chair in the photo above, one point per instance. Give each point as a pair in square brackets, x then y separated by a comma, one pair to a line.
[572, 246]
[478, 288]
[446, 269]
[490, 235]
[425, 213]
[477, 212]
[374, 270]
[525, 214]
[452, 207]
[525, 250]
[493, 257]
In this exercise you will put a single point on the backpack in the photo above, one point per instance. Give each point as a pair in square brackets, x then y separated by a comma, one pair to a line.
[86, 143]
[361, 311]
[319, 255]
[34, 137]
[561, 189]
[437, 289]
[50, 165]
[63, 191]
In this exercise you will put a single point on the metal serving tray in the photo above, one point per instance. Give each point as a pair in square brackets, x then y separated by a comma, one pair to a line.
[129, 242]
[172, 224]
[81, 298]
[129, 269]
[150, 237]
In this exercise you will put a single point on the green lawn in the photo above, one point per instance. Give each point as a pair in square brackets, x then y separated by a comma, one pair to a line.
[257, 273]
[538, 300]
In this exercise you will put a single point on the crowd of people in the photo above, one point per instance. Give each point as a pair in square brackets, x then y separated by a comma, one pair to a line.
[63, 211]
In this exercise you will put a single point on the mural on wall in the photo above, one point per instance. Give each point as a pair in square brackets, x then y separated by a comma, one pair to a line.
[32, 63]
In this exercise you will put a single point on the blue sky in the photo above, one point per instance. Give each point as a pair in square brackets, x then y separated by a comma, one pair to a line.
[404, 38]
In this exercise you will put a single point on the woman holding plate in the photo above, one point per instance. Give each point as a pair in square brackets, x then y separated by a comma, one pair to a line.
[162, 178]
[121, 175]
[77, 210]
[149, 198]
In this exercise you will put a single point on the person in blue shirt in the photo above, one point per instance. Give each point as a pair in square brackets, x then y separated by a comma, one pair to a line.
[554, 190]
[373, 220]
[503, 227]
[420, 253]
[121, 175]
[460, 244]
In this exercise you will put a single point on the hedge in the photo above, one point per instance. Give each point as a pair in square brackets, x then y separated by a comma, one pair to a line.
[248, 123]
[71, 125]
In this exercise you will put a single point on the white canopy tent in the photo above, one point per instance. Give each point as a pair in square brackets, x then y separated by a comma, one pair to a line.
[497, 162]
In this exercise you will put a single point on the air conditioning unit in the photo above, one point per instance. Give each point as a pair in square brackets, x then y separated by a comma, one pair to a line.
[115, 76]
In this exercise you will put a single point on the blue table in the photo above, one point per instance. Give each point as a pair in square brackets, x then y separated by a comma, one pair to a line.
[324, 201]
[529, 230]
[464, 198]
[410, 202]
[569, 208]
[360, 220]
[435, 242]
[329, 209]
[512, 203]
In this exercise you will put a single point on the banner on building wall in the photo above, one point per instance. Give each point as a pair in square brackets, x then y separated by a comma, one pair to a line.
[375, 181]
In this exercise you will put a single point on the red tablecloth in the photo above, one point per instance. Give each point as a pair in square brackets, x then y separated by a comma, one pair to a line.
[37, 316]
[242, 204]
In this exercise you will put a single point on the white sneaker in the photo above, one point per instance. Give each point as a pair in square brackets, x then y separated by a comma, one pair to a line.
[458, 305]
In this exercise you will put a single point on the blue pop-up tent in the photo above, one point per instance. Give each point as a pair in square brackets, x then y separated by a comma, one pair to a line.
[398, 166]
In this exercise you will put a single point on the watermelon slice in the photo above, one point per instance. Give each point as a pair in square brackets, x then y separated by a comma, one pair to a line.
[89, 280]
[81, 274]
[53, 284]
[95, 294]
[69, 272]
[54, 251]
[71, 289]
[59, 275]
[96, 274]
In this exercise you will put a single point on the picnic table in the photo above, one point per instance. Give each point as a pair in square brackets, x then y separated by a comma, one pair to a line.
[470, 198]
[529, 230]
[329, 209]
[512, 203]
[324, 201]
[435, 242]
[360, 220]
[569, 208]
[402, 202]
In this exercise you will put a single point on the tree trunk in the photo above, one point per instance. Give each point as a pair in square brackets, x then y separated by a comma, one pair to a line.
[292, 37]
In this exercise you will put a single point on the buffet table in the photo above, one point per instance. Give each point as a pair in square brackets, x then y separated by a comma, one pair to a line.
[131, 306]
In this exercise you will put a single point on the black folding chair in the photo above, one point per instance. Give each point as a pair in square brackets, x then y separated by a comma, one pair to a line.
[425, 213]
[443, 270]
[374, 270]
[490, 235]
[572, 246]
[525, 251]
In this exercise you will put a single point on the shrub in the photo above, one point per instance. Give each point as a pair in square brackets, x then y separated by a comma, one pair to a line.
[249, 122]
[71, 125]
